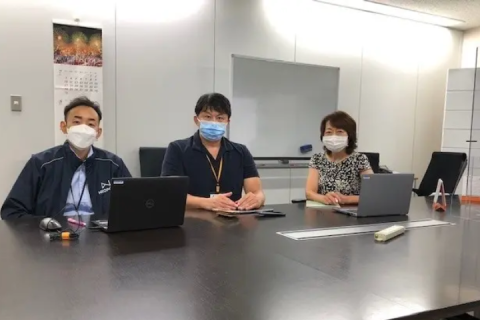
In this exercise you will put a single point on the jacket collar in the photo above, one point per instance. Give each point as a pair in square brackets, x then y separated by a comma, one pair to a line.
[197, 144]
[75, 161]
[90, 152]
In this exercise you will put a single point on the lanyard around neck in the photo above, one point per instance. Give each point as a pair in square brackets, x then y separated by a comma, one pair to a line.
[77, 206]
[217, 176]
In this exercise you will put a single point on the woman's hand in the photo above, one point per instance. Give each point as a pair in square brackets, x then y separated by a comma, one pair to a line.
[331, 198]
[343, 199]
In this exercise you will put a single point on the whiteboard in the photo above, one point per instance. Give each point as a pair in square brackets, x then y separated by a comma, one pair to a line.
[278, 106]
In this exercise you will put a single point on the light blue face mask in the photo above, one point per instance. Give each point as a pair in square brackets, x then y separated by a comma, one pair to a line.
[212, 131]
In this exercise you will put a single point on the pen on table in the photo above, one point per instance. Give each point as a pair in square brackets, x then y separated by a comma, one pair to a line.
[79, 223]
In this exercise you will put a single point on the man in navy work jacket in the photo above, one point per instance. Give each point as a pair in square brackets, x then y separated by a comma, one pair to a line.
[70, 179]
[218, 168]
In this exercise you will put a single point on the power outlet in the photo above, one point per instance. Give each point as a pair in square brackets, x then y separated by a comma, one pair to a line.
[16, 103]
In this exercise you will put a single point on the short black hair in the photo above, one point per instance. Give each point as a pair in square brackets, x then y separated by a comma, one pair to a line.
[213, 102]
[82, 101]
[341, 120]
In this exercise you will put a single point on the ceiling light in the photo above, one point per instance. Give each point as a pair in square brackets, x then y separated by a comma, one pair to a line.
[394, 12]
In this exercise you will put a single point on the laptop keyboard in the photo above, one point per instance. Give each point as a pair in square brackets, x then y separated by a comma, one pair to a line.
[352, 212]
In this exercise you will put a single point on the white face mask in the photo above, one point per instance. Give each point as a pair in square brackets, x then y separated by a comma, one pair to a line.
[81, 136]
[335, 143]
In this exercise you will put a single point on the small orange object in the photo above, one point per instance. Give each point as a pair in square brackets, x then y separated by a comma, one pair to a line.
[439, 207]
[470, 199]
[442, 205]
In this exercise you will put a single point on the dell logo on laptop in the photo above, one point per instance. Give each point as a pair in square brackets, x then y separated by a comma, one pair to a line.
[149, 204]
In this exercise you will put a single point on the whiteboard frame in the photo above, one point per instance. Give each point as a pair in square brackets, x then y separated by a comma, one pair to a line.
[233, 55]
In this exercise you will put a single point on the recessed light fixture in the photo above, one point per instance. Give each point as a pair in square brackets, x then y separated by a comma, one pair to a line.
[394, 12]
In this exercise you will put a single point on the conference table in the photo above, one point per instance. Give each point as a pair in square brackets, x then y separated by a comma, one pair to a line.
[216, 268]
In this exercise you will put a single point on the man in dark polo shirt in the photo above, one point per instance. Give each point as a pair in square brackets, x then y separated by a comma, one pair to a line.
[218, 168]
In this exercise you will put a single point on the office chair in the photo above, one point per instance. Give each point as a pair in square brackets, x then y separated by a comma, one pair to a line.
[448, 166]
[151, 159]
[374, 159]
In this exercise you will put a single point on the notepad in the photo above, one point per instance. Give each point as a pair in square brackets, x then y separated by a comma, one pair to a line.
[315, 204]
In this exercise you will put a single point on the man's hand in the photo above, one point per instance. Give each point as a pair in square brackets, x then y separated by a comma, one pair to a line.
[249, 201]
[221, 202]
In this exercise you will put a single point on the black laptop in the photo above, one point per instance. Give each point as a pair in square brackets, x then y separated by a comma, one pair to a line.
[145, 203]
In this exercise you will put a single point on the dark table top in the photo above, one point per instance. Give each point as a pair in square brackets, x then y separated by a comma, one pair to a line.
[212, 268]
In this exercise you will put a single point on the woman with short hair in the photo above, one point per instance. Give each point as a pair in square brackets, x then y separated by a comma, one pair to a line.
[334, 175]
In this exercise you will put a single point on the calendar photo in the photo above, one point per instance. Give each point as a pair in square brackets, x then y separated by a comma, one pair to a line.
[77, 67]
[76, 45]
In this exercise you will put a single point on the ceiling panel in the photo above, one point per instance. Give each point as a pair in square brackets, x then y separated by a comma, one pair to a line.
[465, 10]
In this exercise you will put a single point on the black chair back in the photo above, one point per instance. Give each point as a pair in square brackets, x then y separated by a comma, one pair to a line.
[374, 159]
[151, 159]
[448, 166]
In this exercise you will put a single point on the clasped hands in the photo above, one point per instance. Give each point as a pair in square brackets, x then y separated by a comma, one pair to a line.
[335, 198]
[223, 202]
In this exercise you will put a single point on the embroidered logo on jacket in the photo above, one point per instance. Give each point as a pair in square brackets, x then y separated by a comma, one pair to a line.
[105, 187]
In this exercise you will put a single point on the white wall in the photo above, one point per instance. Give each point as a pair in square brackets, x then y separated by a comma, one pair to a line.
[392, 71]
[26, 69]
[471, 41]
[392, 78]
[161, 55]
[162, 69]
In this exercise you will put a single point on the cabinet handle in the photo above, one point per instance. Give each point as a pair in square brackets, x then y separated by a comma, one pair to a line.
[471, 140]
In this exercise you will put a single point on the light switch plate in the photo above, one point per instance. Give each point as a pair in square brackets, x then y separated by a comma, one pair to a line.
[16, 103]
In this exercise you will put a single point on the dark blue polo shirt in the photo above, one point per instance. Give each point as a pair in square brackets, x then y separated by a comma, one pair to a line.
[188, 157]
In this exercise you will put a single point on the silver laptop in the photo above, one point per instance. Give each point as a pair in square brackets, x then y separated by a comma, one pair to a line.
[383, 195]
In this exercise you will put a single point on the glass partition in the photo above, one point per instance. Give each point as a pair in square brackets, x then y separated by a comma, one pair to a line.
[470, 209]
[473, 141]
